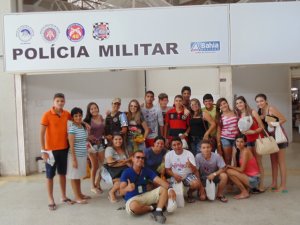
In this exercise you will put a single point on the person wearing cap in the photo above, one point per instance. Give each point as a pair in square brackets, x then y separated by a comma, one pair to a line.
[115, 121]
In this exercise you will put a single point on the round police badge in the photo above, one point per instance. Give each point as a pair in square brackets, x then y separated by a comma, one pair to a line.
[101, 31]
[50, 33]
[25, 33]
[115, 119]
[75, 32]
[183, 117]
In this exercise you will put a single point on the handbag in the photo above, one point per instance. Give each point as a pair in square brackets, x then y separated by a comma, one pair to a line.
[280, 135]
[266, 145]
[115, 172]
[210, 189]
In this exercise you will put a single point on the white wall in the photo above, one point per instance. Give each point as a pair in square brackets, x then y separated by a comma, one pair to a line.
[79, 89]
[201, 81]
[274, 81]
[9, 157]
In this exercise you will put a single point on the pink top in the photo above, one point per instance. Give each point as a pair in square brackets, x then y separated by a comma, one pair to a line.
[251, 167]
[229, 127]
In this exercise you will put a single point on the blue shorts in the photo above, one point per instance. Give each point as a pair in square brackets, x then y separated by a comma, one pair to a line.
[227, 142]
[61, 161]
[253, 181]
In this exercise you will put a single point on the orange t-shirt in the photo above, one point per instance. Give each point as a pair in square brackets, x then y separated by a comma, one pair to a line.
[56, 129]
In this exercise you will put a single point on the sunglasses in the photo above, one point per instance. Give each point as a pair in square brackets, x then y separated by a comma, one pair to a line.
[140, 157]
[117, 103]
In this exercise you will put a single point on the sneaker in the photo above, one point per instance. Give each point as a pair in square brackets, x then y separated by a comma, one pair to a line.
[158, 216]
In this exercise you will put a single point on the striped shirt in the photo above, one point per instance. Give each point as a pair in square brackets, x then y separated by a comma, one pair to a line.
[80, 140]
[229, 127]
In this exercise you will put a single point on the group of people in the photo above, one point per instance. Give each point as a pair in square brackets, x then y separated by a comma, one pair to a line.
[149, 148]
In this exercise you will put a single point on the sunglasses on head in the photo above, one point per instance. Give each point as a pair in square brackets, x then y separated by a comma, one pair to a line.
[117, 103]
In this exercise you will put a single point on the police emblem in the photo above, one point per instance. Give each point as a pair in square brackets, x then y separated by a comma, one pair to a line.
[183, 117]
[101, 31]
[50, 33]
[115, 119]
[25, 33]
[75, 32]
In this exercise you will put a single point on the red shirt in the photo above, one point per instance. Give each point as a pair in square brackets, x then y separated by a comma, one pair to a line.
[177, 122]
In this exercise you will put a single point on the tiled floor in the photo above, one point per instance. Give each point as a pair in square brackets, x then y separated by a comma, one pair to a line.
[23, 201]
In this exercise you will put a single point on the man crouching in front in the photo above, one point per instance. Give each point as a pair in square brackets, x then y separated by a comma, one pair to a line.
[133, 186]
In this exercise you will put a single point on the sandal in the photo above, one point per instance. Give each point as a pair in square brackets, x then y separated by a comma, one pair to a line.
[112, 200]
[190, 200]
[222, 198]
[68, 201]
[52, 207]
[85, 197]
[82, 201]
[256, 191]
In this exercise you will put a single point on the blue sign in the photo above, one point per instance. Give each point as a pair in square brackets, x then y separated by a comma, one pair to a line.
[205, 46]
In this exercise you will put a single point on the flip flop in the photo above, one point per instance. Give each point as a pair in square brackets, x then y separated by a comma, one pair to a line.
[52, 207]
[83, 201]
[68, 201]
[190, 200]
[112, 200]
[85, 197]
[240, 198]
[284, 191]
[222, 198]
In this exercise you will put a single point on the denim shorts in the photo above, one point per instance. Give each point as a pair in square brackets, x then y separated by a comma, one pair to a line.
[227, 142]
[251, 144]
[253, 181]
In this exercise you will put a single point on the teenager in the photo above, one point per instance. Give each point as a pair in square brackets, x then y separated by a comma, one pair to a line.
[96, 139]
[176, 121]
[137, 128]
[153, 117]
[201, 126]
[246, 176]
[54, 145]
[242, 108]
[277, 159]
[227, 130]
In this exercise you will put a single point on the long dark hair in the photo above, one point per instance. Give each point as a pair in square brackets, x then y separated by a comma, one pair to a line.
[88, 115]
[218, 110]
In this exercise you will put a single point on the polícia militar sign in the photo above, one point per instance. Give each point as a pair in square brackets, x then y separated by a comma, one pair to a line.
[116, 39]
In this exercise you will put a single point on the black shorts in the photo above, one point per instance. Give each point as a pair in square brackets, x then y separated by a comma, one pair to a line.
[61, 161]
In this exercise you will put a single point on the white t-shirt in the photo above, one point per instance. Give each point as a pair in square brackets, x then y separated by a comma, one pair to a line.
[178, 162]
[153, 118]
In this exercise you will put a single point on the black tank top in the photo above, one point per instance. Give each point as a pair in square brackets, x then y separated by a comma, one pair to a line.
[197, 128]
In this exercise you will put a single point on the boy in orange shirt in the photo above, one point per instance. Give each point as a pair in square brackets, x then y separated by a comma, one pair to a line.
[55, 146]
